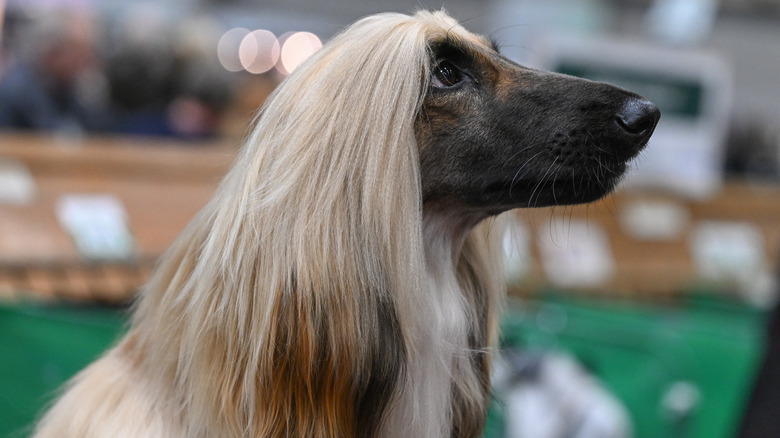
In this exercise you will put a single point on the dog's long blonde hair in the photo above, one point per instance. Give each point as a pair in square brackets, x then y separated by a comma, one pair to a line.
[298, 301]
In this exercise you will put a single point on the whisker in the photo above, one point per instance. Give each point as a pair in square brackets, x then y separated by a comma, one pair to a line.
[539, 184]
[518, 173]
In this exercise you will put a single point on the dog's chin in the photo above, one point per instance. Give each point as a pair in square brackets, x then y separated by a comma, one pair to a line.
[563, 189]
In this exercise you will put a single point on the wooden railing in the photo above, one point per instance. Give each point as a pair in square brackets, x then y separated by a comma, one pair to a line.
[162, 185]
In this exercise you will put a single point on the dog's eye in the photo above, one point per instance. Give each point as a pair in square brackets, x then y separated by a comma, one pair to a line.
[446, 74]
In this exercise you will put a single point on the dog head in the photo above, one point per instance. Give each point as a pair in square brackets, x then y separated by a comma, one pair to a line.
[434, 111]
[494, 135]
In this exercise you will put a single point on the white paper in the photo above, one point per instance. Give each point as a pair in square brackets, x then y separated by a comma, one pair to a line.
[576, 253]
[98, 225]
[728, 251]
[16, 183]
[654, 220]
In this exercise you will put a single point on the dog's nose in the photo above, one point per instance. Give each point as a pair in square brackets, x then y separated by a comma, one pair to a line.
[638, 118]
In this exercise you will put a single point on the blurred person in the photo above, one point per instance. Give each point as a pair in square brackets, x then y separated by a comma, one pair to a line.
[54, 83]
[155, 93]
[203, 89]
[161, 83]
[141, 81]
[201, 99]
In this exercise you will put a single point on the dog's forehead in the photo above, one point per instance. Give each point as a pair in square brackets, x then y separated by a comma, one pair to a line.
[479, 50]
[465, 41]
[444, 29]
[471, 41]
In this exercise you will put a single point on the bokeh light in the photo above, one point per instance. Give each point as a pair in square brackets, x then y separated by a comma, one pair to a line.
[227, 49]
[259, 51]
[296, 48]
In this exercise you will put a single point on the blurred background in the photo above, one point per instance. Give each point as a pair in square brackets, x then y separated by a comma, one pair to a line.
[648, 314]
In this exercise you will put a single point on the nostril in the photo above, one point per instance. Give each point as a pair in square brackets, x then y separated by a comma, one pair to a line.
[638, 117]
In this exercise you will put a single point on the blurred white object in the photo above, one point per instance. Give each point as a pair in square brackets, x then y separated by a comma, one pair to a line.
[17, 185]
[681, 22]
[733, 253]
[517, 251]
[552, 396]
[680, 400]
[97, 223]
[576, 253]
[654, 220]
[727, 250]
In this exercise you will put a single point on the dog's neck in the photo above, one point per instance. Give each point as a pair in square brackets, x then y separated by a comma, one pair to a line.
[444, 234]
[440, 334]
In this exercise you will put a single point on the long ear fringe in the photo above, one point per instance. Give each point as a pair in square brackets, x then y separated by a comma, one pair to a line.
[312, 246]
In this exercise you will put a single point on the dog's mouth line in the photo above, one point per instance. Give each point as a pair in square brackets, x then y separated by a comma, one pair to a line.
[586, 176]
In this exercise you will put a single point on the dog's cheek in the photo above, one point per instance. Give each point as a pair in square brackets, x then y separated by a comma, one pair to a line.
[434, 130]
[443, 173]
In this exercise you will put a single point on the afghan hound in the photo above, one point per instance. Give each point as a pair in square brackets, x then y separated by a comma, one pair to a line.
[344, 280]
